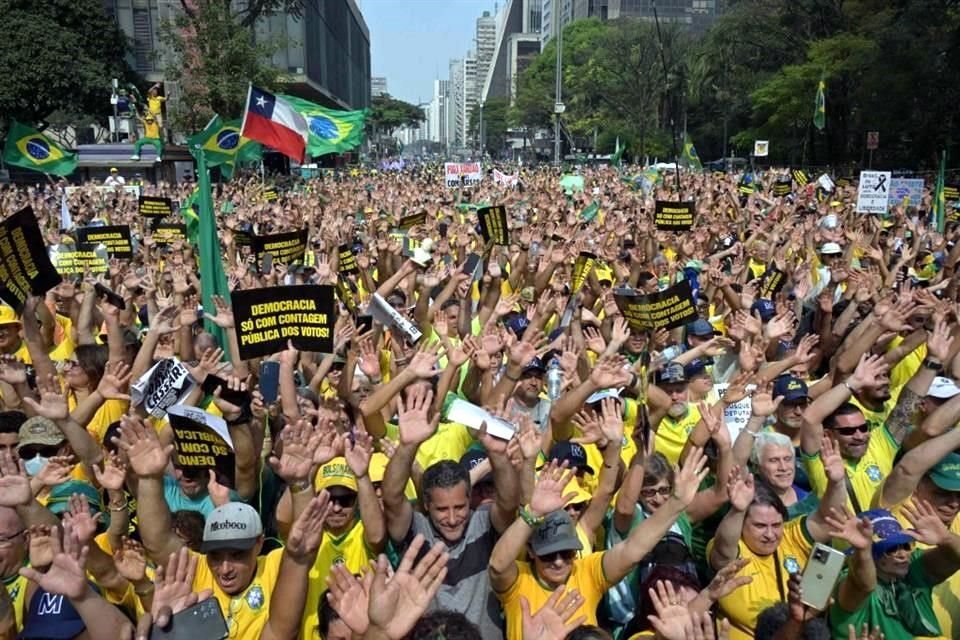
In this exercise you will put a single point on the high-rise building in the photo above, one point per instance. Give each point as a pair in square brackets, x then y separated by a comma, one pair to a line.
[437, 112]
[472, 86]
[553, 11]
[378, 86]
[518, 42]
[591, 9]
[454, 105]
[486, 41]
[698, 15]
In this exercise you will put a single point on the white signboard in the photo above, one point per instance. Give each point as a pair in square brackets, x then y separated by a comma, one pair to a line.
[737, 415]
[761, 148]
[874, 192]
[456, 173]
[909, 188]
[826, 182]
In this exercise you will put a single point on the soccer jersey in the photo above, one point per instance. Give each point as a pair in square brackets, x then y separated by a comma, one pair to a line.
[672, 434]
[247, 612]
[865, 475]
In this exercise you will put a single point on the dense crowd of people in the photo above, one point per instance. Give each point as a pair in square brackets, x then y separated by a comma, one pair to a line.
[653, 482]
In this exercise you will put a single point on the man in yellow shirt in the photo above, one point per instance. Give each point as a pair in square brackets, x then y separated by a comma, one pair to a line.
[549, 537]
[11, 342]
[151, 136]
[673, 426]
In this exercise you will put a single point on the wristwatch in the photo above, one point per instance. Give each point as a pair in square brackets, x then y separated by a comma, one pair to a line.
[932, 363]
[527, 516]
[300, 487]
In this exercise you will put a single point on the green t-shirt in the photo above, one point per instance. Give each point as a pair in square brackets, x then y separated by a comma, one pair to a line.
[903, 609]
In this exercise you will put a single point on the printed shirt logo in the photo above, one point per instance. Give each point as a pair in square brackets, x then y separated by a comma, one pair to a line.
[255, 597]
[791, 565]
[874, 473]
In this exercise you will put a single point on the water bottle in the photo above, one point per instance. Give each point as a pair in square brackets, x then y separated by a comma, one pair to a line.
[554, 380]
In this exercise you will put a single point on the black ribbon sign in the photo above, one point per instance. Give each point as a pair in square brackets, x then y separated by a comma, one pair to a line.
[665, 309]
[169, 232]
[675, 216]
[116, 239]
[286, 248]
[266, 318]
[493, 224]
[154, 207]
[25, 267]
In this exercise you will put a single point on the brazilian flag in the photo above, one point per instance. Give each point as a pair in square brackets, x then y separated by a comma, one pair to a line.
[223, 146]
[820, 106]
[939, 198]
[190, 218]
[30, 149]
[690, 159]
[330, 131]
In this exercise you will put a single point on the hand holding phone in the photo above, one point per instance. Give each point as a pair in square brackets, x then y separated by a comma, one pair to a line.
[820, 575]
[202, 620]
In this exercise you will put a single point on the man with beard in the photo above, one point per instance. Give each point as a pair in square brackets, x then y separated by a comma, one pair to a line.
[13, 555]
[526, 394]
[673, 423]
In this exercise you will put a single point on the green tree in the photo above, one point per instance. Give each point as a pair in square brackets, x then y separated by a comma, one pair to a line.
[387, 114]
[496, 123]
[58, 55]
[215, 57]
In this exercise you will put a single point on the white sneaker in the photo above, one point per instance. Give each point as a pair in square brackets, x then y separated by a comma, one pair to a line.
[135, 157]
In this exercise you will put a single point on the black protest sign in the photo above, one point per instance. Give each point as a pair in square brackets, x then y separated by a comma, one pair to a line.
[675, 216]
[773, 281]
[25, 267]
[116, 239]
[267, 318]
[951, 192]
[155, 207]
[782, 187]
[412, 220]
[346, 291]
[493, 224]
[270, 195]
[202, 443]
[347, 261]
[78, 260]
[665, 309]
[286, 248]
[166, 233]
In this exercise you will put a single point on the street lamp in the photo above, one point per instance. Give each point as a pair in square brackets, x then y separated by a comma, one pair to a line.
[558, 107]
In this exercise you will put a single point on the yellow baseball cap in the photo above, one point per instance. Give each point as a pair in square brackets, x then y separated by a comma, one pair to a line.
[582, 494]
[335, 473]
[8, 315]
[378, 466]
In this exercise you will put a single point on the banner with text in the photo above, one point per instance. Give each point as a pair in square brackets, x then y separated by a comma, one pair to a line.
[773, 281]
[202, 442]
[71, 260]
[581, 269]
[25, 267]
[675, 216]
[665, 309]
[166, 383]
[169, 232]
[493, 224]
[155, 207]
[873, 194]
[266, 318]
[347, 262]
[116, 239]
[286, 248]
[411, 220]
[457, 173]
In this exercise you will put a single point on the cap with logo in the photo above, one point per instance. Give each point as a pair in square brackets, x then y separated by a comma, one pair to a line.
[51, 616]
[943, 388]
[946, 473]
[671, 374]
[473, 457]
[830, 248]
[336, 473]
[765, 308]
[694, 368]
[571, 452]
[8, 315]
[234, 526]
[555, 533]
[535, 367]
[700, 328]
[39, 431]
[792, 389]
[887, 532]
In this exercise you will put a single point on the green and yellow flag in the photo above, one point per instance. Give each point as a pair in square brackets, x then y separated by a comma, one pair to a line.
[939, 197]
[616, 159]
[330, 131]
[690, 159]
[30, 149]
[223, 145]
[820, 106]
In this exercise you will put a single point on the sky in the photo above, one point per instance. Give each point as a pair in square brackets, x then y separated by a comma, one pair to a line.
[412, 41]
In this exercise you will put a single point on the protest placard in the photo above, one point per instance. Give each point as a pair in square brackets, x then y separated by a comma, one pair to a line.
[386, 315]
[166, 233]
[873, 193]
[116, 239]
[202, 443]
[666, 309]
[951, 192]
[347, 262]
[347, 292]
[286, 248]
[270, 194]
[166, 383]
[581, 269]
[675, 216]
[267, 318]
[154, 206]
[493, 224]
[782, 187]
[773, 281]
[71, 260]
[411, 220]
[761, 148]
[907, 191]
[457, 173]
[25, 267]
[737, 415]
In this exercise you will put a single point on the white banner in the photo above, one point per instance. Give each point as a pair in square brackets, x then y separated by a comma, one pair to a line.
[874, 192]
[457, 173]
[505, 179]
[761, 148]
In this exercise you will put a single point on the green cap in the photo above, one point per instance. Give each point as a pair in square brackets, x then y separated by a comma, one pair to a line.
[59, 498]
[946, 473]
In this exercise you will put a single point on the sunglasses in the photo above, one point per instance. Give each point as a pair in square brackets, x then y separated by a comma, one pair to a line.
[30, 451]
[849, 431]
[903, 546]
[344, 501]
[566, 556]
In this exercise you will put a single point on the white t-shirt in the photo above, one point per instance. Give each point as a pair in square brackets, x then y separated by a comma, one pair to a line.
[114, 181]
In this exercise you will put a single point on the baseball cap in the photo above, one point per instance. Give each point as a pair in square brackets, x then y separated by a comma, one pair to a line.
[113, 170]
[671, 374]
[887, 532]
[830, 248]
[8, 315]
[791, 388]
[517, 323]
[555, 533]
[765, 308]
[234, 525]
[701, 328]
[473, 457]
[582, 495]
[943, 388]
[694, 368]
[59, 499]
[39, 431]
[946, 473]
[534, 366]
[51, 617]
[336, 473]
[573, 453]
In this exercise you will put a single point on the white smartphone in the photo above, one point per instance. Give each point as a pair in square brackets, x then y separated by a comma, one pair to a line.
[820, 575]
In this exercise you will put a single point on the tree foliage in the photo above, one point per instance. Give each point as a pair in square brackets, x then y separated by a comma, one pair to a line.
[387, 114]
[496, 122]
[215, 56]
[58, 55]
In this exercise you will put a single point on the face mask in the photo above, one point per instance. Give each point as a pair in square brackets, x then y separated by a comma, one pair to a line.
[34, 465]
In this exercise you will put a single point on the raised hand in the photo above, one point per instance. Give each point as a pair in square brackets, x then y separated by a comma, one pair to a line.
[223, 317]
[928, 528]
[115, 381]
[548, 493]
[740, 488]
[940, 341]
[81, 521]
[350, 597]
[554, 620]
[67, 574]
[726, 581]
[56, 471]
[424, 361]
[297, 453]
[230, 410]
[174, 587]
[610, 372]
[12, 371]
[219, 494]
[763, 403]
[688, 478]
[53, 402]
[15, 488]
[591, 427]
[413, 417]
[358, 449]
[673, 621]
[868, 371]
[307, 530]
[146, 455]
[843, 525]
[131, 560]
[832, 460]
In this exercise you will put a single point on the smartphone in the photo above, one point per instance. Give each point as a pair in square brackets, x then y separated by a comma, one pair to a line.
[267, 265]
[821, 574]
[470, 266]
[364, 324]
[202, 620]
[269, 380]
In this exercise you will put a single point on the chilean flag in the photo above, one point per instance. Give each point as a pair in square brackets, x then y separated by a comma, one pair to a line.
[272, 121]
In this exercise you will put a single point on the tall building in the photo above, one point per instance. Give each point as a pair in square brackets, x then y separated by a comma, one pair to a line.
[472, 86]
[698, 15]
[486, 41]
[518, 43]
[437, 112]
[553, 11]
[326, 56]
[378, 86]
[454, 105]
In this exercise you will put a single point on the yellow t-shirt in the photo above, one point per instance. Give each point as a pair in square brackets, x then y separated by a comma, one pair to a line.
[17, 590]
[66, 347]
[866, 475]
[876, 418]
[672, 434]
[23, 354]
[586, 577]
[349, 549]
[151, 129]
[450, 442]
[743, 606]
[247, 612]
[155, 104]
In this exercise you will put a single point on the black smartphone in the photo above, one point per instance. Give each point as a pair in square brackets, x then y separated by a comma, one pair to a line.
[270, 380]
[364, 324]
[234, 397]
[202, 620]
[470, 265]
[111, 297]
[267, 265]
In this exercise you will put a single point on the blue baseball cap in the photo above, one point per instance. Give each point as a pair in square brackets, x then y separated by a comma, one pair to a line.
[765, 307]
[673, 373]
[573, 453]
[791, 388]
[694, 368]
[701, 329]
[535, 366]
[51, 617]
[517, 323]
[887, 532]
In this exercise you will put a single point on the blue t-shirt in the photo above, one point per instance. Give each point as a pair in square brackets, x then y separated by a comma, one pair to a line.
[178, 501]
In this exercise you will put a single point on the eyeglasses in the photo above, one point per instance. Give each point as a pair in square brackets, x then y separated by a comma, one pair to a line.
[8, 541]
[567, 556]
[849, 431]
[903, 546]
[344, 501]
[576, 506]
[650, 493]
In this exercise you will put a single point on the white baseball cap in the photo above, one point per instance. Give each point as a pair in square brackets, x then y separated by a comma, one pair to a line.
[830, 248]
[943, 388]
[234, 526]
